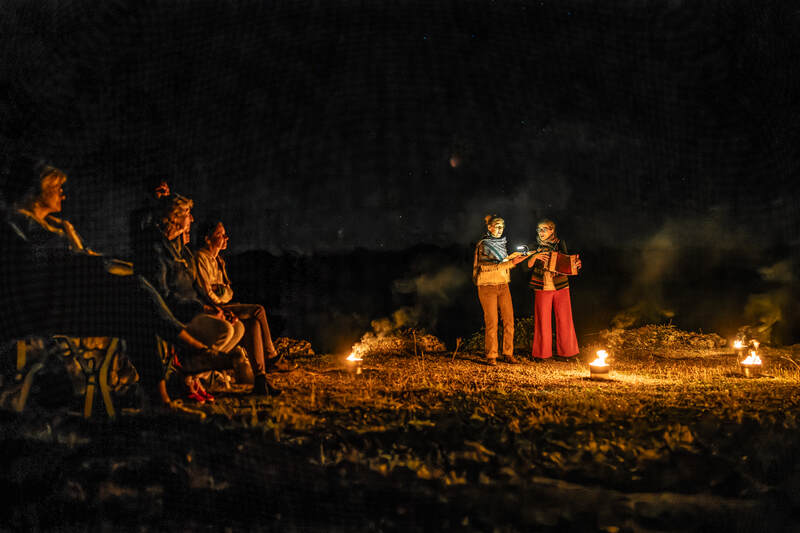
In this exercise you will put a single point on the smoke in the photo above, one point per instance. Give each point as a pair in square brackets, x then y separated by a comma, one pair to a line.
[405, 317]
[771, 315]
[682, 253]
[431, 291]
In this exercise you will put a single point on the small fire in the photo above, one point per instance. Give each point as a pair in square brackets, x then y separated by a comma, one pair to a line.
[601, 359]
[752, 359]
[354, 357]
[738, 344]
[755, 344]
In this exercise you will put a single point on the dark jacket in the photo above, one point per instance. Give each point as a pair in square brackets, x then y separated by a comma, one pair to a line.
[170, 267]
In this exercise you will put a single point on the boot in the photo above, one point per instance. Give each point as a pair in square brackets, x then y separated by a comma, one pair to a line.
[278, 363]
[263, 388]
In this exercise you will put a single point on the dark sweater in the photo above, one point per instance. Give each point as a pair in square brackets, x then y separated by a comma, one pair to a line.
[537, 273]
[170, 267]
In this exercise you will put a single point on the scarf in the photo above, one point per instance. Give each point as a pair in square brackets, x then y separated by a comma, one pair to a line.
[495, 247]
[550, 245]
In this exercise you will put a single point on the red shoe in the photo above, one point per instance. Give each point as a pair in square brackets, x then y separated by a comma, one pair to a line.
[196, 397]
[205, 394]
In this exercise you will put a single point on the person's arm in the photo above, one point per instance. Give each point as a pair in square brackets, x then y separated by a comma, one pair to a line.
[541, 257]
[155, 268]
[226, 282]
[488, 263]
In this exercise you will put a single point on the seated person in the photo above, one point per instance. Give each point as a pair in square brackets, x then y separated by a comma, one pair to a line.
[171, 267]
[213, 284]
[141, 218]
[50, 283]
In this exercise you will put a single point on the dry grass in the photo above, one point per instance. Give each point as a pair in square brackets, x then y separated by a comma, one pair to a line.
[437, 441]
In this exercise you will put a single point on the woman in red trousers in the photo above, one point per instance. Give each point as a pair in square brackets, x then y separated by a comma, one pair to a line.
[551, 297]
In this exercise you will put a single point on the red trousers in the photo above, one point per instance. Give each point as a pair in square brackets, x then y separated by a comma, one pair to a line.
[558, 302]
[494, 297]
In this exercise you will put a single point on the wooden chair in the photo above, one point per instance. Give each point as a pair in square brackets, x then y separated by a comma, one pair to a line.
[94, 356]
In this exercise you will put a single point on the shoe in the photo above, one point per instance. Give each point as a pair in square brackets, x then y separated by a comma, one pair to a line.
[263, 388]
[203, 393]
[539, 359]
[491, 361]
[279, 364]
[510, 359]
[196, 397]
[562, 359]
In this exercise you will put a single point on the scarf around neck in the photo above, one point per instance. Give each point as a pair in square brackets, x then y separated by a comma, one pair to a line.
[495, 246]
[550, 244]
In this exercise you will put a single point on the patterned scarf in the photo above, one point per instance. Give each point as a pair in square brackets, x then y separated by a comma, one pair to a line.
[495, 247]
[550, 245]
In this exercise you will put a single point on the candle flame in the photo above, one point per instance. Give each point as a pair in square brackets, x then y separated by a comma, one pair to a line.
[738, 344]
[755, 344]
[601, 359]
[752, 359]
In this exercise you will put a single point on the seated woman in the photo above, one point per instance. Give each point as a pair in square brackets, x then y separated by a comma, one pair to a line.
[51, 283]
[171, 266]
[215, 287]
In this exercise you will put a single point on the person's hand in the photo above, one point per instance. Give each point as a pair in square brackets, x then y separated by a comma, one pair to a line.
[578, 263]
[230, 317]
[541, 255]
[214, 311]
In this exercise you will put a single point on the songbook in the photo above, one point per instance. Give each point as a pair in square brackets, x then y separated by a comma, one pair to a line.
[562, 263]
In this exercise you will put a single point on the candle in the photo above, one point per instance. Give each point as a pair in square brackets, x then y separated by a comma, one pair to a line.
[354, 362]
[751, 365]
[599, 367]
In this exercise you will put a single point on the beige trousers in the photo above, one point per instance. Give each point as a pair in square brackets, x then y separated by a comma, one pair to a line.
[215, 333]
[494, 297]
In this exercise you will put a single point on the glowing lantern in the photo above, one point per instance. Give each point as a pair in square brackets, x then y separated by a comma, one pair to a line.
[599, 368]
[354, 362]
[738, 347]
[751, 365]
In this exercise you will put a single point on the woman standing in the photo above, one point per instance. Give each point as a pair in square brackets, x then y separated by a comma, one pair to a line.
[551, 296]
[491, 273]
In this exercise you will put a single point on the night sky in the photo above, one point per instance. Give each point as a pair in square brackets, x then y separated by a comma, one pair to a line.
[329, 126]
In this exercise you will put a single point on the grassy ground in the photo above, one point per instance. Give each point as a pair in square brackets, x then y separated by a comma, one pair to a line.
[432, 442]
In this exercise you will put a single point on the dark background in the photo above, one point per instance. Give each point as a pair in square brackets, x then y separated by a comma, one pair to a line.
[352, 148]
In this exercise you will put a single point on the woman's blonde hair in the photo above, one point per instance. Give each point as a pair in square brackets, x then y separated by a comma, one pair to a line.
[493, 219]
[173, 209]
[52, 177]
[48, 176]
